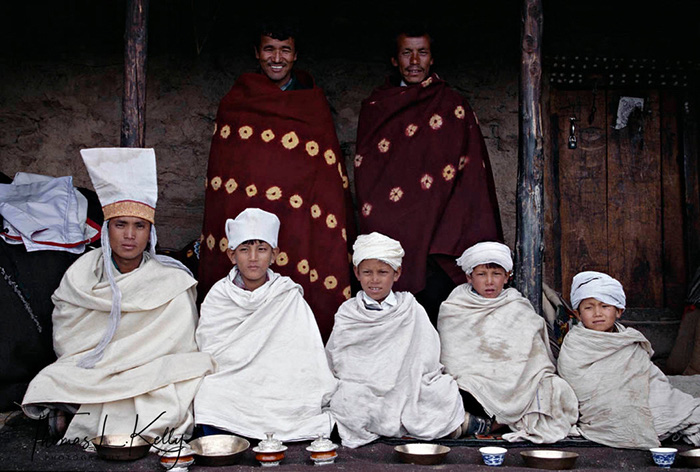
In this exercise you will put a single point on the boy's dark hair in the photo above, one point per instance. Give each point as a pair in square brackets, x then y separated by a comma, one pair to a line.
[255, 241]
[493, 265]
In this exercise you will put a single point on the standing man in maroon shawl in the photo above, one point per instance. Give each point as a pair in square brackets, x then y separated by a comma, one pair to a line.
[275, 148]
[422, 172]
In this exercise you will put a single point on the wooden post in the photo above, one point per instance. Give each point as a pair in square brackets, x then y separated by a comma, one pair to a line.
[133, 133]
[692, 180]
[530, 193]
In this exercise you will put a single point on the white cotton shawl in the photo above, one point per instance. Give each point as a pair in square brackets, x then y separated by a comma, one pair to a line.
[272, 373]
[625, 400]
[498, 350]
[151, 368]
[391, 382]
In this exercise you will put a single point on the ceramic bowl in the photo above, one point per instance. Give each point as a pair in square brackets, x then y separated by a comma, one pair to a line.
[549, 459]
[218, 449]
[493, 456]
[177, 457]
[121, 447]
[422, 453]
[322, 451]
[663, 456]
[691, 458]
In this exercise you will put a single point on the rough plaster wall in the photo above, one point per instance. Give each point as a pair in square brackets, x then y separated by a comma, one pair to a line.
[52, 109]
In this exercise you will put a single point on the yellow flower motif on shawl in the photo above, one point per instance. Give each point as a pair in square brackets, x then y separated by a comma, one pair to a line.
[347, 292]
[426, 181]
[448, 172]
[251, 190]
[223, 244]
[340, 169]
[303, 266]
[346, 182]
[395, 194]
[315, 211]
[427, 82]
[358, 160]
[290, 140]
[312, 148]
[313, 275]
[411, 130]
[366, 209]
[267, 135]
[296, 201]
[282, 259]
[435, 121]
[462, 162]
[225, 131]
[331, 221]
[330, 282]
[459, 112]
[216, 126]
[216, 183]
[329, 155]
[344, 234]
[383, 145]
[231, 185]
[273, 193]
[211, 241]
[245, 132]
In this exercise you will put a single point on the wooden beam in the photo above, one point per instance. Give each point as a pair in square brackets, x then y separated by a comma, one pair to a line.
[133, 132]
[530, 193]
[691, 180]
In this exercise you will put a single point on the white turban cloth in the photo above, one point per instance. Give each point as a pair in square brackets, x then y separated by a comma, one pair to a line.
[377, 246]
[597, 285]
[250, 225]
[488, 252]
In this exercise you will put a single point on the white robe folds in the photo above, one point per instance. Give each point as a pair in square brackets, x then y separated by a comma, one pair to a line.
[147, 379]
[498, 350]
[391, 382]
[625, 400]
[272, 373]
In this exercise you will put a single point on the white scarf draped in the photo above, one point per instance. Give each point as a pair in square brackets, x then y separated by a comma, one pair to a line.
[272, 373]
[391, 382]
[498, 351]
[625, 400]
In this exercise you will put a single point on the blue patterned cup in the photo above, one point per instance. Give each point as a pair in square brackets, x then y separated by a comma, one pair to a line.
[493, 456]
[663, 456]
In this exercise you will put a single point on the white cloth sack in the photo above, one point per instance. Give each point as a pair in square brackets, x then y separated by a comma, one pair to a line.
[391, 382]
[272, 373]
[498, 350]
[625, 400]
[45, 213]
[151, 368]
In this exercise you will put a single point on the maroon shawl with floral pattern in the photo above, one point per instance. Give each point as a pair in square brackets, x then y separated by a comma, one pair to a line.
[423, 177]
[278, 151]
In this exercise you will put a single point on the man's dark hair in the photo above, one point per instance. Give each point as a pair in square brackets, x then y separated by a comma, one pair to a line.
[411, 30]
[279, 30]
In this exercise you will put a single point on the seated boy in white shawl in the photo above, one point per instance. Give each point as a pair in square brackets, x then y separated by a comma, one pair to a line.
[624, 399]
[385, 353]
[496, 346]
[272, 373]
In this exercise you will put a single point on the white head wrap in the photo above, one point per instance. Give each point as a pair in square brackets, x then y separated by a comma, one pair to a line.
[599, 286]
[488, 252]
[377, 246]
[252, 224]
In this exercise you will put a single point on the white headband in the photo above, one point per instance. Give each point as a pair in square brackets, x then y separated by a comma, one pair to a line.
[252, 224]
[488, 252]
[377, 246]
[599, 286]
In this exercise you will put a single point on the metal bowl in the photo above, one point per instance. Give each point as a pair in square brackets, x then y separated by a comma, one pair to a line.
[691, 458]
[218, 449]
[422, 453]
[549, 459]
[121, 447]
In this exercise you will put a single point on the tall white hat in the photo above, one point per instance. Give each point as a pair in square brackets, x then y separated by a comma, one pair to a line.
[125, 180]
[252, 224]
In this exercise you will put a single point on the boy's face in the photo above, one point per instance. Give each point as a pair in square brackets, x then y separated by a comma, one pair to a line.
[253, 260]
[376, 278]
[597, 315]
[488, 282]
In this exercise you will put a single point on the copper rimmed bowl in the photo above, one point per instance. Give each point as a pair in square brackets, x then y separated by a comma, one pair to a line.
[218, 449]
[691, 458]
[549, 459]
[121, 447]
[422, 453]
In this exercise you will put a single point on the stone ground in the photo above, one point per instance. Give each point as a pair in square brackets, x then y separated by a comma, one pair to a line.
[22, 447]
